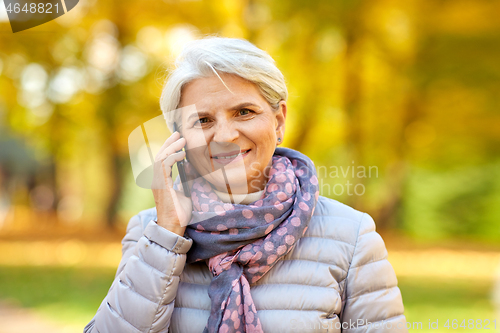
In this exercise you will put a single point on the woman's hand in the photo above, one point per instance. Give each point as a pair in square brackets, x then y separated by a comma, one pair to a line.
[173, 208]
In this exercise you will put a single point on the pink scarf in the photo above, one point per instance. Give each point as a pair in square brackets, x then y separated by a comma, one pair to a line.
[243, 242]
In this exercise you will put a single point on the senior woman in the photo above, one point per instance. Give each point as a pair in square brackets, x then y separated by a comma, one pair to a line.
[254, 248]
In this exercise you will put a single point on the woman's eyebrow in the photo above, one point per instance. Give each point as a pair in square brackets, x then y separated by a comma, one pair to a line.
[198, 115]
[244, 105]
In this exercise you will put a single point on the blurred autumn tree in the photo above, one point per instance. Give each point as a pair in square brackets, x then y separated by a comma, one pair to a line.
[408, 88]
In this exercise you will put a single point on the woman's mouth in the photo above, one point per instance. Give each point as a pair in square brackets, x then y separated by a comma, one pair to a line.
[226, 158]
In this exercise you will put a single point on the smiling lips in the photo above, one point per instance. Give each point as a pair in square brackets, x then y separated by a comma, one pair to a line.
[229, 155]
[225, 158]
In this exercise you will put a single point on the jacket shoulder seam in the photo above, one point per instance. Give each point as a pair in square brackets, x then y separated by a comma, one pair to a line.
[356, 244]
[370, 262]
[346, 284]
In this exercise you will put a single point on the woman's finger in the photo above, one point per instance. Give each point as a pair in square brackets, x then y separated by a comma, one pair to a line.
[172, 138]
[171, 149]
[162, 170]
[169, 161]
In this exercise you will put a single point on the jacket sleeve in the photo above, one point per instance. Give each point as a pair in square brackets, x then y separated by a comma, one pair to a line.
[141, 298]
[373, 301]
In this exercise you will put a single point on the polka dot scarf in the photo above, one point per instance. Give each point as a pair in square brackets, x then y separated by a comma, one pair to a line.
[243, 242]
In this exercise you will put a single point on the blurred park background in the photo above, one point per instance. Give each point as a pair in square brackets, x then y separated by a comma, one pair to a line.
[405, 89]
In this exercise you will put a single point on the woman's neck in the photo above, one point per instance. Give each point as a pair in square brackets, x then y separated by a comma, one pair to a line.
[242, 199]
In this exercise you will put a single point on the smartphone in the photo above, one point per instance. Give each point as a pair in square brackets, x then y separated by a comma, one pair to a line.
[182, 171]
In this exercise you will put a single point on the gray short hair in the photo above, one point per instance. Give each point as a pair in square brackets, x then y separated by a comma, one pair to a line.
[212, 55]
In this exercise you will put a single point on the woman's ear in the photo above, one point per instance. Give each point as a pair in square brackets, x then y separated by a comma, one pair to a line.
[280, 120]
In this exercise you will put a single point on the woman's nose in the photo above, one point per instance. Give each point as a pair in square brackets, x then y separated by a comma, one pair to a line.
[225, 132]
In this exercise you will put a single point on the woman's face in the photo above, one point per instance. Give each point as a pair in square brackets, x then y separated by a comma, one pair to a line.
[231, 128]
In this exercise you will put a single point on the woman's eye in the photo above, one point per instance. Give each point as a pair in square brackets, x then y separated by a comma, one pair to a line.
[201, 121]
[244, 112]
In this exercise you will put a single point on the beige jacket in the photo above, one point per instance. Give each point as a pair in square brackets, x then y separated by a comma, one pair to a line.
[336, 279]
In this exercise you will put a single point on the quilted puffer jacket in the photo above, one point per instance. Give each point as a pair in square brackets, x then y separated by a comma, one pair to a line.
[336, 279]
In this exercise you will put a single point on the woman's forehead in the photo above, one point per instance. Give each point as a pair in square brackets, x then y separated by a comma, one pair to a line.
[226, 85]
[210, 94]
